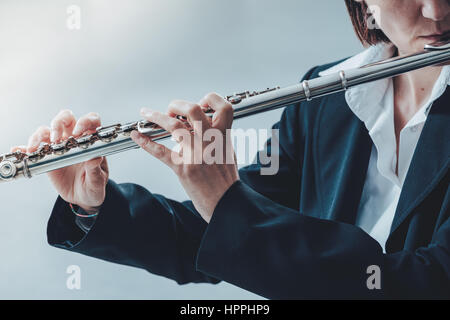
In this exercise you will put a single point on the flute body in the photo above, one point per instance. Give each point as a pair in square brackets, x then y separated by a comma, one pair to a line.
[114, 139]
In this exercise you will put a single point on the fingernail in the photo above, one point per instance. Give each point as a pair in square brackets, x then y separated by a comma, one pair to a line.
[31, 146]
[76, 130]
[52, 136]
[146, 112]
[94, 117]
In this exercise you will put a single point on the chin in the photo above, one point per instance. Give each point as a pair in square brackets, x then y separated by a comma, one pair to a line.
[412, 45]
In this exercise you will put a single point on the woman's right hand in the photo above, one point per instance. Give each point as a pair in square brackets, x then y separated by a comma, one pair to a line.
[83, 184]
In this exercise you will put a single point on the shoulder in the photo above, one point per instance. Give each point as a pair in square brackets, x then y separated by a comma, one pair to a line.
[300, 108]
[315, 71]
[308, 109]
[303, 117]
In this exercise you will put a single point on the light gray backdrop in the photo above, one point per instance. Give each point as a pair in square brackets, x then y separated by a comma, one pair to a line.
[130, 54]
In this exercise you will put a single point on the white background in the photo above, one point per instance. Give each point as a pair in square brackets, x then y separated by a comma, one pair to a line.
[130, 54]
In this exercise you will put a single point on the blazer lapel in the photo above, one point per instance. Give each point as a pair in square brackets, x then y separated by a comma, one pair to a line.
[342, 159]
[430, 161]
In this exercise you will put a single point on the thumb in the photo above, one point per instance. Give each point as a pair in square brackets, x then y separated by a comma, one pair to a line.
[93, 164]
[94, 171]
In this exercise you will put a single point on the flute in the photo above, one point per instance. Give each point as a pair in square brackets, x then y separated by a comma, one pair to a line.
[113, 139]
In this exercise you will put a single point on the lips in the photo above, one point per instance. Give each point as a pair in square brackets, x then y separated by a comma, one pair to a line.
[437, 36]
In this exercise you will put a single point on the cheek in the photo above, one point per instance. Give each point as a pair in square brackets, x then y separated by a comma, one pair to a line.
[398, 18]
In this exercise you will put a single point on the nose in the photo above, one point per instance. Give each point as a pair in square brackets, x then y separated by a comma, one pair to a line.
[436, 10]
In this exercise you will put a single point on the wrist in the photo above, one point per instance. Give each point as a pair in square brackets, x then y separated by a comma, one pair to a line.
[84, 212]
[208, 216]
[90, 210]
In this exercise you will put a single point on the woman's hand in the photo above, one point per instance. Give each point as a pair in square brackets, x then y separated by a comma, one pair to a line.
[82, 184]
[205, 164]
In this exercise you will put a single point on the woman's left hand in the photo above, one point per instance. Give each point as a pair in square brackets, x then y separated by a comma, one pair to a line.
[205, 164]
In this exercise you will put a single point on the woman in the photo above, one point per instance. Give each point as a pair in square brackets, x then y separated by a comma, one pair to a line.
[358, 209]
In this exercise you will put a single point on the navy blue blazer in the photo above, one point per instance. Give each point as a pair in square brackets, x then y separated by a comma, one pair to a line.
[290, 235]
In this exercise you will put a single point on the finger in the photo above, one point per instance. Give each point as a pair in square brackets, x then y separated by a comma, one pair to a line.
[18, 148]
[223, 117]
[62, 125]
[157, 150]
[166, 122]
[41, 135]
[193, 112]
[87, 124]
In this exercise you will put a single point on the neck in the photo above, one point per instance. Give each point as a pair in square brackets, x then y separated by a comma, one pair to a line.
[412, 89]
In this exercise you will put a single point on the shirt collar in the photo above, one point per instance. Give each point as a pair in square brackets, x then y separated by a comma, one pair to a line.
[373, 93]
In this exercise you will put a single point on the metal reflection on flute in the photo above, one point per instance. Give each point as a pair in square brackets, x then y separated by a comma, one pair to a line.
[114, 139]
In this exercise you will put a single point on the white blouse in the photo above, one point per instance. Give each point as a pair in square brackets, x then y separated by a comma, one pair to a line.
[373, 103]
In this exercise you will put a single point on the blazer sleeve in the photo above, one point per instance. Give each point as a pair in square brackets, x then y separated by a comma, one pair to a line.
[274, 251]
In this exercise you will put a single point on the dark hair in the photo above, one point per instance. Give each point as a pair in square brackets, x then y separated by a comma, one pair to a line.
[359, 14]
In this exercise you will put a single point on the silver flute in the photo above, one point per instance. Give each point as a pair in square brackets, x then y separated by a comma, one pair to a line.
[113, 139]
